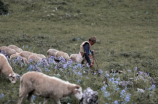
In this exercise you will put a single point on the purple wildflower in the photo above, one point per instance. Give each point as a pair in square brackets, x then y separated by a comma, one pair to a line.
[64, 66]
[106, 94]
[100, 71]
[116, 102]
[1, 95]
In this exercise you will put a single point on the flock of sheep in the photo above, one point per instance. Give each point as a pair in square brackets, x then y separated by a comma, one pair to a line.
[36, 83]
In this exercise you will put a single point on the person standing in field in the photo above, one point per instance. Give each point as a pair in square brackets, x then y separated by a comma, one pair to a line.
[87, 53]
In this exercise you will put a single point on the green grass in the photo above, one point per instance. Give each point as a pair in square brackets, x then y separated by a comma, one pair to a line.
[126, 30]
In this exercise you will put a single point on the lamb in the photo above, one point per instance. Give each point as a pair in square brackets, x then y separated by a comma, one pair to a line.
[38, 58]
[17, 55]
[14, 55]
[39, 84]
[25, 54]
[62, 54]
[73, 57]
[34, 58]
[57, 54]
[17, 49]
[6, 69]
[6, 50]
[41, 55]
[76, 57]
[51, 52]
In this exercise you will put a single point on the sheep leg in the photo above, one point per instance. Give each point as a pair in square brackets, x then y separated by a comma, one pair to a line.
[20, 99]
[57, 101]
[29, 96]
[22, 94]
[45, 100]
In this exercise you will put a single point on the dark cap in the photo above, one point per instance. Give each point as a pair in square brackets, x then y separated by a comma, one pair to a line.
[93, 39]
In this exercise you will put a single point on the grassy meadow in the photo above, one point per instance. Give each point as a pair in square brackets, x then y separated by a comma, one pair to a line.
[126, 32]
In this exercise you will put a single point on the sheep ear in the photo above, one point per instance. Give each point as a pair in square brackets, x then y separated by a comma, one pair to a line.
[77, 87]
[10, 75]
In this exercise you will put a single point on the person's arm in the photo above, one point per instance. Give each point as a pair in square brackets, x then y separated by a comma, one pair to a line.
[86, 50]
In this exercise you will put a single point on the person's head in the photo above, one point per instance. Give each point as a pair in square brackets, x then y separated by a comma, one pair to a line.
[92, 40]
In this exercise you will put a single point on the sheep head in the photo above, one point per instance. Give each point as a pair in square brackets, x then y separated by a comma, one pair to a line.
[12, 77]
[78, 92]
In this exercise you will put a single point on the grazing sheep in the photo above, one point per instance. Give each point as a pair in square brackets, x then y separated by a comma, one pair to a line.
[6, 50]
[41, 55]
[17, 55]
[17, 49]
[76, 57]
[51, 52]
[25, 54]
[6, 69]
[62, 54]
[14, 55]
[38, 58]
[73, 57]
[39, 84]
[34, 58]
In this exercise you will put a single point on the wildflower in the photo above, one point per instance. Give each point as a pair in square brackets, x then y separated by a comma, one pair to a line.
[33, 97]
[117, 89]
[106, 94]
[100, 71]
[79, 65]
[129, 71]
[118, 79]
[79, 81]
[1, 95]
[122, 94]
[152, 87]
[135, 68]
[116, 82]
[127, 99]
[79, 73]
[75, 67]
[114, 75]
[140, 90]
[64, 66]
[107, 75]
[69, 62]
[116, 102]
[103, 88]
[55, 67]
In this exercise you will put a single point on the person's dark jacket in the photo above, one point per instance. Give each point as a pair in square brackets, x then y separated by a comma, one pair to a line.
[87, 51]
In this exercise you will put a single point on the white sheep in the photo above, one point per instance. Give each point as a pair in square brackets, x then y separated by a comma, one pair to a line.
[14, 55]
[17, 55]
[25, 54]
[34, 58]
[73, 57]
[41, 55]
[51, 52]
[76, 57]
[6, 69]
[16, 48]
[62, 54]
[39, 84]
[6, 50]
[38, 58]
